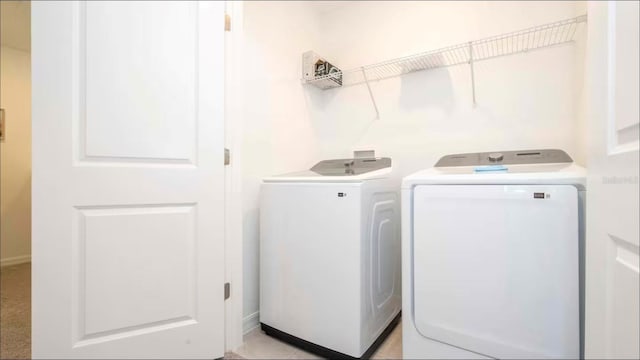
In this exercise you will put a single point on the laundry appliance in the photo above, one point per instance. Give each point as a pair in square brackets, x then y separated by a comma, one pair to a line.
[330, 256]
[492, 249]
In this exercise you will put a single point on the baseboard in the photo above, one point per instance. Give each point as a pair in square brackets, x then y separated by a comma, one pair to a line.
[250, 322]
[15, 260]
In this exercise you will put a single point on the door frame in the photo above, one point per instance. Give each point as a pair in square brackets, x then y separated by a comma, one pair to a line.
[234, 81]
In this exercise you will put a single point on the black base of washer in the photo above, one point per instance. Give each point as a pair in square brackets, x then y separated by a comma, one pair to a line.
[326, 352]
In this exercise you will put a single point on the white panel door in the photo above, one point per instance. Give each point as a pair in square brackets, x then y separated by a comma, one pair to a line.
[496, 269]
[612, 278]
[128, 191]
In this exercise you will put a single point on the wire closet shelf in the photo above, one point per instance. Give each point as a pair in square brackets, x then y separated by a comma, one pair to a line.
[533, 38]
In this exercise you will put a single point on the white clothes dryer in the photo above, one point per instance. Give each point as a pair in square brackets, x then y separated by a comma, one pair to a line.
[330, 256]
[492, 257]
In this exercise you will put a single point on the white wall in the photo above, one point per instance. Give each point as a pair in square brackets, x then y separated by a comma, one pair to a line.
[524, 101]
[15, 156]
[277, 132]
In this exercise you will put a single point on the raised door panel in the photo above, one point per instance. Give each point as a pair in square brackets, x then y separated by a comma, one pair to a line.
[135, 270]
[138, 81]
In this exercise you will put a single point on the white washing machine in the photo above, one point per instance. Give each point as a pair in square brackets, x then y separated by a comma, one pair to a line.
[330, 256]
[491, 257]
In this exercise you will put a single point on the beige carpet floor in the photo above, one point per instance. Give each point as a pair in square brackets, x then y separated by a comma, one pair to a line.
[15, 312]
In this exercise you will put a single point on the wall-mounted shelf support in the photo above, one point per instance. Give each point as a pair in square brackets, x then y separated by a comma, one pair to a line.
[373, 100]
[473, 79]
[522, 41]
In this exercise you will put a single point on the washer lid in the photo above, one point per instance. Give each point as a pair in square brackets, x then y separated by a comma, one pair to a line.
[340, 170]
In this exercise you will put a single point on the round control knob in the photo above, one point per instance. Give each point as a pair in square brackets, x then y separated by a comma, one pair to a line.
[496, 157]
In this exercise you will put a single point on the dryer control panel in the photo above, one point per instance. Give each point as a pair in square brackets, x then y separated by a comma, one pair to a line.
[545, 156]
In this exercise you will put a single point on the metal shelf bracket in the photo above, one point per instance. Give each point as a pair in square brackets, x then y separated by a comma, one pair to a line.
[373, 100]
[473, 79]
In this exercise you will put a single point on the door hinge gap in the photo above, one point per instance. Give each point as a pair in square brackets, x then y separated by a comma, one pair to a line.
[227, 22]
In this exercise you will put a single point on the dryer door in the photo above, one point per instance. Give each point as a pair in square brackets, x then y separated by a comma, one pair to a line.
[496, 268]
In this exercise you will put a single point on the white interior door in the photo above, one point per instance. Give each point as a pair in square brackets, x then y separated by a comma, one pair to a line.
[612, 280]
[128, 191]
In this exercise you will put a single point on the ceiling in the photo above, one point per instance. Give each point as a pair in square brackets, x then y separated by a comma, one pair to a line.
[15, 24]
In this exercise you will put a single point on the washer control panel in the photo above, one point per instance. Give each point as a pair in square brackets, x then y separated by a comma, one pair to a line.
[545, 156]
[346, 167]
